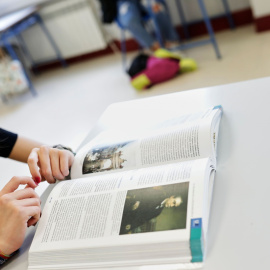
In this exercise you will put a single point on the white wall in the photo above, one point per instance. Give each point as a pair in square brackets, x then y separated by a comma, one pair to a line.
[260, 8]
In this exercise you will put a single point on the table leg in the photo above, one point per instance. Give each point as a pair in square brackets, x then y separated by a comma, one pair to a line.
[47, 33]
[209, 28]
[228, 14]
[123, 49]
[25, 50]
[182, 18]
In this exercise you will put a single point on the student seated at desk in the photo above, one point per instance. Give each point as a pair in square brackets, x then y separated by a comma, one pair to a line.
[20, 209]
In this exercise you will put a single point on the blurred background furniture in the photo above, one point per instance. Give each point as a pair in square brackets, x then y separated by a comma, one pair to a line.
[11, 27]
[147, 22]
[183, 45]
[208, 25]
[185, 24]
[150, 24]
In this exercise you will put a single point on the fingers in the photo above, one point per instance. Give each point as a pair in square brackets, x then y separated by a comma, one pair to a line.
[24, 194]
[18, 209]
[45, 163]
[62, 163]
[33, 162]
[21, 205]
[16, 181]
[56, 160]
[30, 202]
[34, 213]
[22, 198]
[32, 222]
[70, 159]
[50, 163]
[66, 160]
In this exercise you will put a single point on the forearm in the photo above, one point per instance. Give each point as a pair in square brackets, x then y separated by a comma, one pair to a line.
[23, 148]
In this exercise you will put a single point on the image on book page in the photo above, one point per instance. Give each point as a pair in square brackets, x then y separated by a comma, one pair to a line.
[178, 139]
[106, 157]
[153, 209]
[110, 150]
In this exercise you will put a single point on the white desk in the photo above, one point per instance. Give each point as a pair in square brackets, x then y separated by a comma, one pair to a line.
[239, 225]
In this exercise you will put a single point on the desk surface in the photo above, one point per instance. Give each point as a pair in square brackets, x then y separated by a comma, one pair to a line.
[239, 225]
[12, 19]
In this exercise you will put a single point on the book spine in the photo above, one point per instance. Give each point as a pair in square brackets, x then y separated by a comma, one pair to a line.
[196, 243]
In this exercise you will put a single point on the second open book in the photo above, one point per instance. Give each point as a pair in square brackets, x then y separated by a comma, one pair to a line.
[138, 198]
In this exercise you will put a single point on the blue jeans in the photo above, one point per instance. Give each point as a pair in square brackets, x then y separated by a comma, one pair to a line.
[132, 15]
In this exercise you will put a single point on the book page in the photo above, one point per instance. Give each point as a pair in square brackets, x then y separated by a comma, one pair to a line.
[98, 211]
[183, 138]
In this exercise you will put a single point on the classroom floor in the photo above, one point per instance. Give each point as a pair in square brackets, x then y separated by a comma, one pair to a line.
[70, 101]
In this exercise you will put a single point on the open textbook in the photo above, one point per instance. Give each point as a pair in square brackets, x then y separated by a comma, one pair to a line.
[136, 199]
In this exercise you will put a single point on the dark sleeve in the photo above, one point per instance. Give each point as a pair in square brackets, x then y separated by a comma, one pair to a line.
[7, 142]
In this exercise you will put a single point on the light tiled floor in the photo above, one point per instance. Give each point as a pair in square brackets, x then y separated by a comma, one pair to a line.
[70, 100]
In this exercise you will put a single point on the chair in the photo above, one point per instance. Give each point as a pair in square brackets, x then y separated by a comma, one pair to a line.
[185, 24]
[208, 25]
[25, 19]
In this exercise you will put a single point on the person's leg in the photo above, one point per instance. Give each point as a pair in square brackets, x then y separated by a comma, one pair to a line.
[129, 17]
[162, 21]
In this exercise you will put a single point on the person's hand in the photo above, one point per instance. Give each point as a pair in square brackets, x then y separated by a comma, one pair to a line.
[47, 163]
[156, 8]
[19, 209]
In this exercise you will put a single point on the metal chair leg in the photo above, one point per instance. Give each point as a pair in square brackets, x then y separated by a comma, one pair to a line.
[26, 52]
[209, 28]
[182, 18]
[123, 49]
[228, 14]
[47, 33]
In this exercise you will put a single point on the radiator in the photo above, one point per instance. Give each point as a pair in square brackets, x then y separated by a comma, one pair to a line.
[74, 27]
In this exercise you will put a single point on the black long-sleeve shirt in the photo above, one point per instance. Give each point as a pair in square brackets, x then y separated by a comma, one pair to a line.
[7, 142]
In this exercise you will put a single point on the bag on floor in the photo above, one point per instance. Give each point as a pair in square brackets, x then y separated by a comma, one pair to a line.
[12, 78]
[146, 70]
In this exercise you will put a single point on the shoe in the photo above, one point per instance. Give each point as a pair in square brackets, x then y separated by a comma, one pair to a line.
[141, 82]
[187, 64]
[163, 53]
